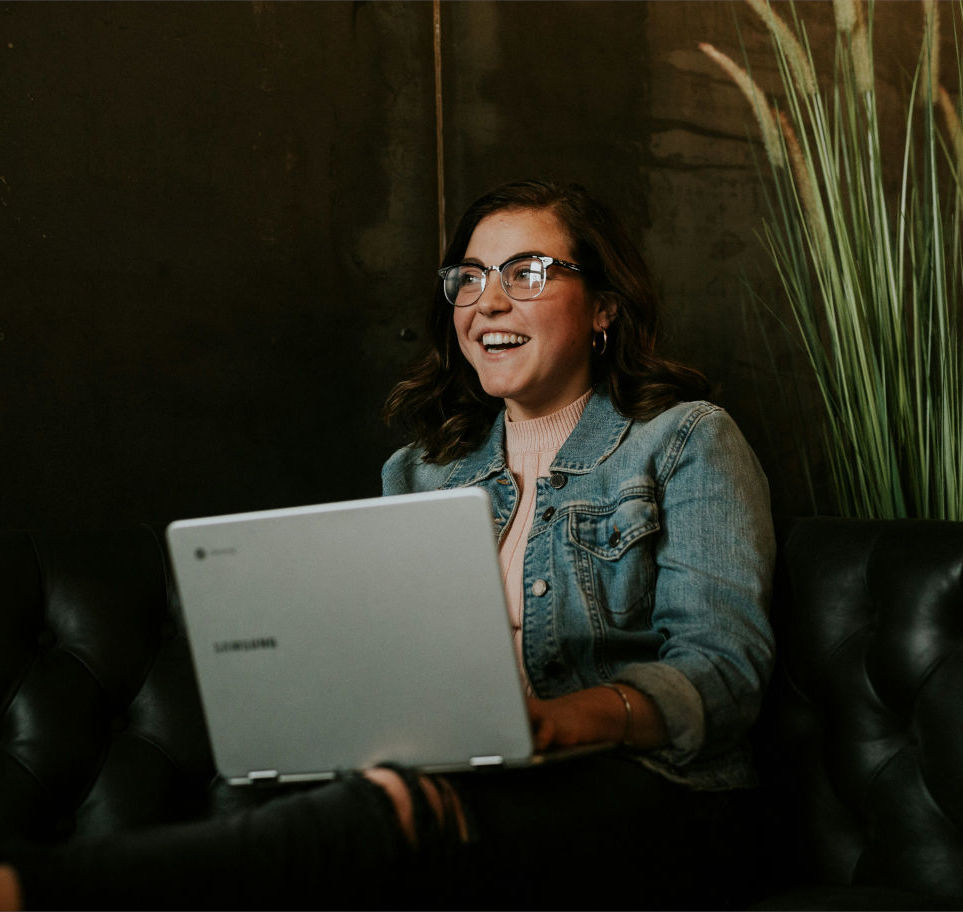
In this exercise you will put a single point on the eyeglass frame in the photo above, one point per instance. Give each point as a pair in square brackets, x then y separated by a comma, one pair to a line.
[546, 261]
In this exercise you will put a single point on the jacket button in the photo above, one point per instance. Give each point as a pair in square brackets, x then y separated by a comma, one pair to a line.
[557, 480]
[539, 588]
[615, 538]
[548, 514]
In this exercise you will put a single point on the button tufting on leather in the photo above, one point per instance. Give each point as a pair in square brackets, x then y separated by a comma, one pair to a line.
[871, 654]
[104, 667]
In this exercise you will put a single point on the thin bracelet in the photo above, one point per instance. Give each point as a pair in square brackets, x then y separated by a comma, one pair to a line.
[628, 711]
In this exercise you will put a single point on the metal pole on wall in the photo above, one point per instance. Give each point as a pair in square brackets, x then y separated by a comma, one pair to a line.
[439, 130]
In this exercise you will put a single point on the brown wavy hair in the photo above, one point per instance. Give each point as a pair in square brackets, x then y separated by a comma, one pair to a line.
[440, 402]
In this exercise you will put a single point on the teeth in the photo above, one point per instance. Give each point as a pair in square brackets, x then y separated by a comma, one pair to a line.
[495, 339]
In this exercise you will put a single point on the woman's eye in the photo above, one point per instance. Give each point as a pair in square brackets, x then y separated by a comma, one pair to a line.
[468, 278]
[526, 275]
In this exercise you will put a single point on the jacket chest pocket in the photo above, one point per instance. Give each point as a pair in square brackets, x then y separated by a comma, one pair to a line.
[613, 550]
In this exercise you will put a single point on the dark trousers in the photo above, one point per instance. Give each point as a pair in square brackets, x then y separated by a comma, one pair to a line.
[598, 832]
[603, 832]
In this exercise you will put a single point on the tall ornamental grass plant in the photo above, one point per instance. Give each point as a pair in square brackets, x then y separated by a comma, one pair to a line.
[873, 279]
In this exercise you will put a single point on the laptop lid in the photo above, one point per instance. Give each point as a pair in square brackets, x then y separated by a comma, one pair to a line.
[342, 635]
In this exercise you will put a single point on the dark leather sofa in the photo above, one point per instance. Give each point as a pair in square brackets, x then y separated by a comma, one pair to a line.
[860, 745]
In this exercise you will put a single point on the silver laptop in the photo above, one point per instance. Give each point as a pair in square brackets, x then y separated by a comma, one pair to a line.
[342, 635]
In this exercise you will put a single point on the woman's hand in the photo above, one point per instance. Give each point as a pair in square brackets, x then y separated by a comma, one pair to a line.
[595, 715]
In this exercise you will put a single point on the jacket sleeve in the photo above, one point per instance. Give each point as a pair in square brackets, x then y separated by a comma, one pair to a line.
[715, 559]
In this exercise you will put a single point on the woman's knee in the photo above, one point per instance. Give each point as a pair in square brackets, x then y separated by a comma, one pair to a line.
[10, 894]
[447, 815]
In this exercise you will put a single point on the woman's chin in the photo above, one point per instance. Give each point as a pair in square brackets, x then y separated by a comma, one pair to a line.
[499, 387]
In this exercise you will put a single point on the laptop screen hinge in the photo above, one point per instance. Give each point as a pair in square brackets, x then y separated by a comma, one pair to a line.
[491, 760]
[263, 777]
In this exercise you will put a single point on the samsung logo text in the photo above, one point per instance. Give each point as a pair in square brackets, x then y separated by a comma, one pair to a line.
[246, 645]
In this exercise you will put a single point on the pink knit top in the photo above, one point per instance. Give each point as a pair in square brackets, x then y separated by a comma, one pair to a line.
[530, 447]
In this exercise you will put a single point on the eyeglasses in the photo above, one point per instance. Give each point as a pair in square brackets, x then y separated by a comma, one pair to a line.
[523, 278]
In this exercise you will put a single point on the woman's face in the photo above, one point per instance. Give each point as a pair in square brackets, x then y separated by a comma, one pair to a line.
[545, 364]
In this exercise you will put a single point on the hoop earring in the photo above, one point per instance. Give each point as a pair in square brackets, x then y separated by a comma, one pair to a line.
[605, 343]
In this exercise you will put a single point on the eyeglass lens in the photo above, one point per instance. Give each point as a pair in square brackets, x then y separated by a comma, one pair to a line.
[522, 279]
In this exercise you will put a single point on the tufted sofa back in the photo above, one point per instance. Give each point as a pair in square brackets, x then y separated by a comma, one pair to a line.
[100, 724]
[869, 622]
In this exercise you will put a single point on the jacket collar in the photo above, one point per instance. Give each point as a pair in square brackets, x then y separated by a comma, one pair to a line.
[598, 432]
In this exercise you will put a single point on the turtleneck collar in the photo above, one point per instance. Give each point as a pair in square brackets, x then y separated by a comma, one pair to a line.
[548, 433]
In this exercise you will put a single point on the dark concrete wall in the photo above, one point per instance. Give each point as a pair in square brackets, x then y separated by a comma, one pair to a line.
[218, 226]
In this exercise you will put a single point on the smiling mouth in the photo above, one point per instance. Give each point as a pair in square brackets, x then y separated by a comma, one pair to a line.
[499, 342]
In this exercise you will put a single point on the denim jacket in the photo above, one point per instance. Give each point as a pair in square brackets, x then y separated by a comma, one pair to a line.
[649, 562]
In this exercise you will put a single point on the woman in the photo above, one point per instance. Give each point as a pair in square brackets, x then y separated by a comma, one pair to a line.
[633, 521]
[636, 546]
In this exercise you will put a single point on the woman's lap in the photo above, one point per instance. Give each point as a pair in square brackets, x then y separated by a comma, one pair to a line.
[600, 831]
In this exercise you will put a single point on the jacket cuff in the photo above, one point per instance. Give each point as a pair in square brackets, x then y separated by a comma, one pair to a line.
[677, 699]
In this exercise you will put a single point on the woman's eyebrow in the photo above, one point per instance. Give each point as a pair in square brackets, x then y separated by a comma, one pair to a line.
[525, 253]
[475, 261]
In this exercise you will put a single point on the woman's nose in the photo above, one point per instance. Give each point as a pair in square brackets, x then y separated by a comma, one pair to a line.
[493, 299]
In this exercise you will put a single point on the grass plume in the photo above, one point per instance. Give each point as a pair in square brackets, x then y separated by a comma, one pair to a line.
[757, 100]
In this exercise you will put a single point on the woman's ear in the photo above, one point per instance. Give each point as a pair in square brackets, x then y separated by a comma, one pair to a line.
[606, 311]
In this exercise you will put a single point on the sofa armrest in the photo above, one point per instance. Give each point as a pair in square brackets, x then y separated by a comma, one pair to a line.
[869, 728]
[100, 724]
